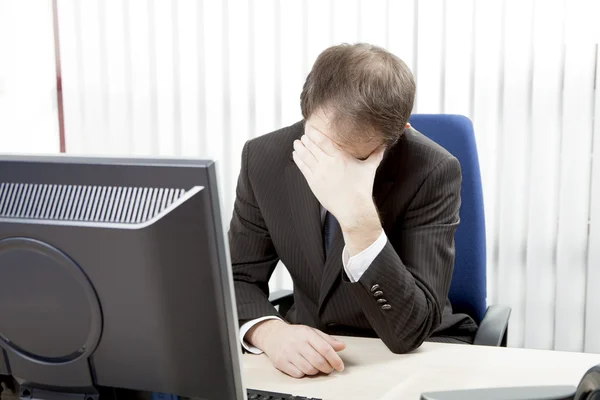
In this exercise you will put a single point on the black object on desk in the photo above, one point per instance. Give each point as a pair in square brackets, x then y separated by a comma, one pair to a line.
[263, 395]
[588, 389]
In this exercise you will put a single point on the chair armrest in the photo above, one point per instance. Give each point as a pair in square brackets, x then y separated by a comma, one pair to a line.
[493, 327]
[280, 296]
[283, 300]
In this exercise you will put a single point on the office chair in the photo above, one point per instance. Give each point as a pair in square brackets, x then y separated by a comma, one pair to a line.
[468, 288]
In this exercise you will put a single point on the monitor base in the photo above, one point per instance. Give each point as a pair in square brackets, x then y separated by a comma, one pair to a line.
[14, 391]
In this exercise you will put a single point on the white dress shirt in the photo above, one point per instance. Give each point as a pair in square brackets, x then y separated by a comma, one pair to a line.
[354, 266]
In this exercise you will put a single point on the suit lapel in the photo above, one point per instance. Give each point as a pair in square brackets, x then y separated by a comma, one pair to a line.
[306, 215]
[384, 182]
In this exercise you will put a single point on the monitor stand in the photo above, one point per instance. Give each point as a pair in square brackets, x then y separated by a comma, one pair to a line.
[15, 391]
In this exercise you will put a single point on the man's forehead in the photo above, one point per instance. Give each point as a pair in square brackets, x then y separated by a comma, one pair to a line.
[321, 122]
[358, 149]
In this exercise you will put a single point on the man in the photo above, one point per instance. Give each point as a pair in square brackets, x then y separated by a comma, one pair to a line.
[359, 207]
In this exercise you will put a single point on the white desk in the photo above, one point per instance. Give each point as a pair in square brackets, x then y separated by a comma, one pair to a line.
[373, 372]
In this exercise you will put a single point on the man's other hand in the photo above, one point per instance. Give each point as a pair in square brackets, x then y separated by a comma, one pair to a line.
[297, 350]
[341, 183]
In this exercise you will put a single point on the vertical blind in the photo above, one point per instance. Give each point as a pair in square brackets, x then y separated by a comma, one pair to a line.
[199, 78]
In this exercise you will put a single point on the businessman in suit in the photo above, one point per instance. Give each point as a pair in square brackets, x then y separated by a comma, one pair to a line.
[361, 209]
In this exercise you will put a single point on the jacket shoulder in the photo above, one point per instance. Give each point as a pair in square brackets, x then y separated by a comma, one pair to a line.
[423, 150]
[275, 146]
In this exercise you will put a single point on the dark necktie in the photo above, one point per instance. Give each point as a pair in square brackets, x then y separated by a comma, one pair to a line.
[329, 227]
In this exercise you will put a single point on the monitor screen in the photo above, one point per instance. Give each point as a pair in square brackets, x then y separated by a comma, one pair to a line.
[115, 273]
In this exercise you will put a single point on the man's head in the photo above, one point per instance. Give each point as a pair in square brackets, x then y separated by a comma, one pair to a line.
[361, 96]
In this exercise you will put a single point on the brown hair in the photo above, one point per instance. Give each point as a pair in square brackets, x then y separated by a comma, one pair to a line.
[365, 90]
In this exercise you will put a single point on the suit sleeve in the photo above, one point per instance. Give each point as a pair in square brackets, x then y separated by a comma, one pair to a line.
[253, 256]
[404, 290]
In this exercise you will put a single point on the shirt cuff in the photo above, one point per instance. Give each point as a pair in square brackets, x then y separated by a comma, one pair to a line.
[356, 266]
[246, 327]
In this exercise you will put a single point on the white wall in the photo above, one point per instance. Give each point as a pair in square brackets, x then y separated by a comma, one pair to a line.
[199, 78]
[28, 114]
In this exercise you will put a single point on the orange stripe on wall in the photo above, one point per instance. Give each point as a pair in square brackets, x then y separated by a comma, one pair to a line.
[59, 93]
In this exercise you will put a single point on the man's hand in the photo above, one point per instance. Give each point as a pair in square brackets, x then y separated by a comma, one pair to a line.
[297, 350]
[343, 185]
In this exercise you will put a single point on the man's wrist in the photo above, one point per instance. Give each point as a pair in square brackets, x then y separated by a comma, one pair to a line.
[363, 217]
[361, 229]
[257, 334]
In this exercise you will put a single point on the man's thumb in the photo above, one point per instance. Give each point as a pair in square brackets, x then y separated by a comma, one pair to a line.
[333, 342]
[337, 345]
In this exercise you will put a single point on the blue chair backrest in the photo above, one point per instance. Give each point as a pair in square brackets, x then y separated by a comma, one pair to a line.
[455, 134]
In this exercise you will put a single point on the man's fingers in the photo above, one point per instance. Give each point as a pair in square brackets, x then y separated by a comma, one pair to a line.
[316, 359]
[304, 154]
[304, 365]
[326, 350]
[313, 148]
[336, 344]
[301, 165]
[321, 140]
[292, 370]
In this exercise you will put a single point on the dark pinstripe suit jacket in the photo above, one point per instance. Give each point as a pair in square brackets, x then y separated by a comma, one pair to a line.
[276, 217]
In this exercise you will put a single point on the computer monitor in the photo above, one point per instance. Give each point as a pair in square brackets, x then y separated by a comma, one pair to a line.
[114, 273]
